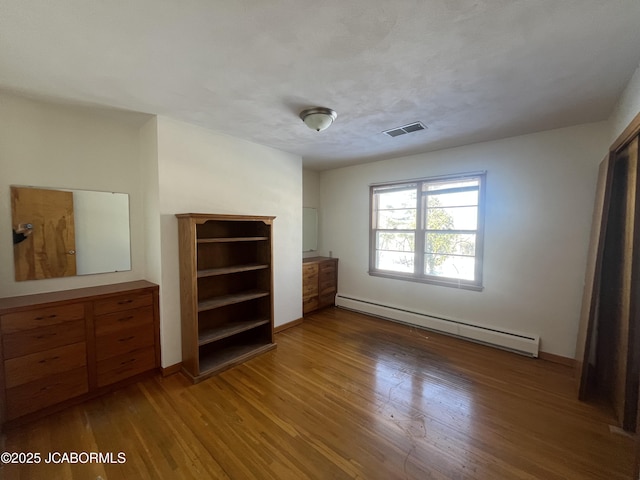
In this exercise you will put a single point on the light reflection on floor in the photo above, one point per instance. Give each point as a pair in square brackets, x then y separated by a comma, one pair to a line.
[429, 406]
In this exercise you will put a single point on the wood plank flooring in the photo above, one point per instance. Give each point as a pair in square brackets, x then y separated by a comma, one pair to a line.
[343, 396]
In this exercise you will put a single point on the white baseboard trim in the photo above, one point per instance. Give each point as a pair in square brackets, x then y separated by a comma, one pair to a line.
[522, 343]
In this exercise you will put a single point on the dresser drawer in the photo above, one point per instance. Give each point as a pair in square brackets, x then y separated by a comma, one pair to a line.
[328, 267]
[309, 270]
[122, 302]
[56, 347]
[326, 300]
[123, 341]
[309, 304]
[41, 317]
[41, 339]
[327, 285]
[36, 366]
[309, 280]
[124, 366]
[114, 322]
[320, 283]
[310, 289]
[328, 275]
[54, 389]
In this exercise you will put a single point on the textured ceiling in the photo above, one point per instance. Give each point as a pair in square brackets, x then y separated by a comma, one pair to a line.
[470, 70]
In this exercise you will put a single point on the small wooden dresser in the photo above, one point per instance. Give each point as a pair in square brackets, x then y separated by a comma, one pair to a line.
[319, 283]
[63, 347]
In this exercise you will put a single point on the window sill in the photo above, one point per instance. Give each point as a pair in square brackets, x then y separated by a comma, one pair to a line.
[452, 283]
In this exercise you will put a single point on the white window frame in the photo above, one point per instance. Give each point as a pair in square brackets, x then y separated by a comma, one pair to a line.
[420, 231]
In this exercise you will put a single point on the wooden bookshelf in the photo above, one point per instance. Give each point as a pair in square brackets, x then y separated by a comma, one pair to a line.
[226, 290]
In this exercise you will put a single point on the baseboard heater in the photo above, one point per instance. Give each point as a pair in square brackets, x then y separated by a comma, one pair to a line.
[524, 344]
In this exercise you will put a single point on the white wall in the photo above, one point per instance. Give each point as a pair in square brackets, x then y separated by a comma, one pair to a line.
[204, 172]
[311, 197]
[540, 194]
[151, 201]
[48, 145]
[627, 108]
[166, 167]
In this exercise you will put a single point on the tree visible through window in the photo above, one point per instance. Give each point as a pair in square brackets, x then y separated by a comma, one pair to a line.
[429, 230]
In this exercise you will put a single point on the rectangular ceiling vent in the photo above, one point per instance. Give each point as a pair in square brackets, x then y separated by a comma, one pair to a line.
[412, 127]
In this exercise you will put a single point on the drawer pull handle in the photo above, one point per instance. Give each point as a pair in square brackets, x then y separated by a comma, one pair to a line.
[45, 360]
[126, 319]
[127, 339]
[128, 361]
[124, 302]
[46, 335]
[50, 316]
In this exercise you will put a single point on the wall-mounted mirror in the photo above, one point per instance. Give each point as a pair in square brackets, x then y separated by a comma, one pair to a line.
[309, 229]
[61, 233]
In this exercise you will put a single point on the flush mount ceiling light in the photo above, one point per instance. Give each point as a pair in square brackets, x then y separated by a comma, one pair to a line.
[318, 118]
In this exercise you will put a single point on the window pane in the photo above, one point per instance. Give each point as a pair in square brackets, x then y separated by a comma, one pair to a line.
[439, 217]
[450, 243]
[451, 266]
[402, 219]
[445, 184]
[454, 199]
[395, 261]
[452, 218]
[395, 241]
[405, 198]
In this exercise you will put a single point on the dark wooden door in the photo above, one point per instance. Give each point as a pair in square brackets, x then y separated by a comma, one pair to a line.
[617, 349]
[593, 278]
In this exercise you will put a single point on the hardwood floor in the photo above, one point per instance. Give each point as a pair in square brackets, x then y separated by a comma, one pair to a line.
[343, 396]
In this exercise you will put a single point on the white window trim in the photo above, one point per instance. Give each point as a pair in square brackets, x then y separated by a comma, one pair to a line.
[418, 275]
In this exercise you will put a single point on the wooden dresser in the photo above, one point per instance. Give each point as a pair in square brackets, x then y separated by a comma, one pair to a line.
[64, 347]
[319, 283]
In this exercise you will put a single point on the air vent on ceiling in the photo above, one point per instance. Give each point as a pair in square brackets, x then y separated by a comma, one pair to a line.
[412, 127]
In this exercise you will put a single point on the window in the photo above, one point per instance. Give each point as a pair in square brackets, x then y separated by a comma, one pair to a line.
[429, 230]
